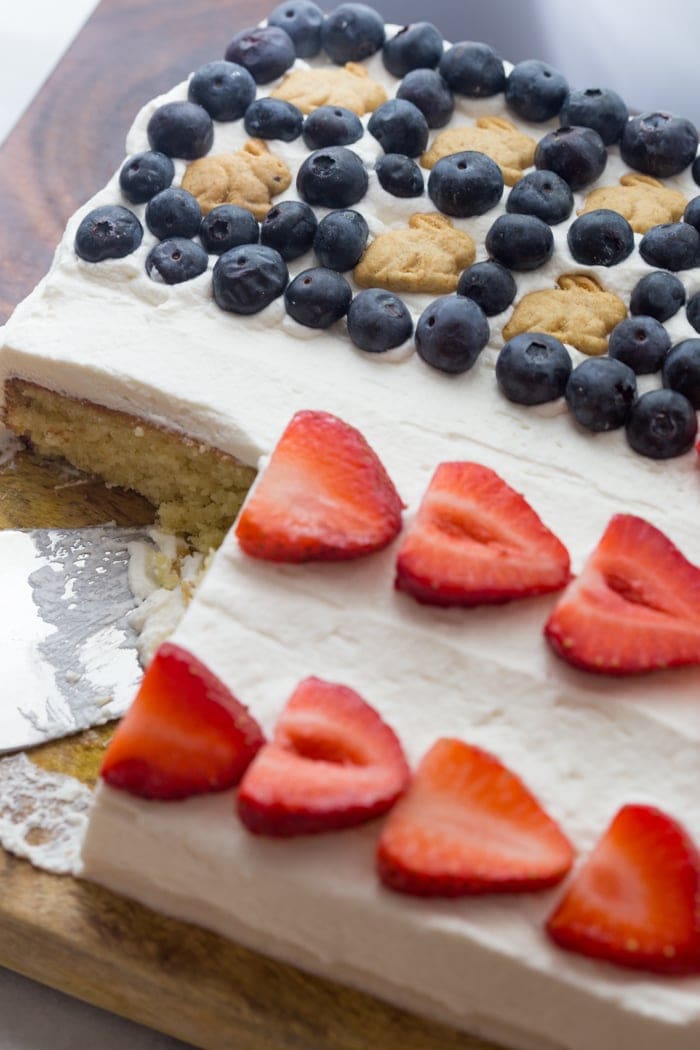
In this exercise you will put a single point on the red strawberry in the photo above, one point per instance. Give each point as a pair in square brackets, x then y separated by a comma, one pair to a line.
[184, 734]
[333, 763]
[468, 825]
[324, 496]
[635, 607]
[636, 901]
[475, 540]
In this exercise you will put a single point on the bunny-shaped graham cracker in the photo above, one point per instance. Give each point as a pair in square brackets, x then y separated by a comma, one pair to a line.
[495, 136]
[349, 86]
[579, 312]
[641, 199]
[250, 178]
[427, 257]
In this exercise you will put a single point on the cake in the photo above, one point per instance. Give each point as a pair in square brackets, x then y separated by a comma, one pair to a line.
[154, 386]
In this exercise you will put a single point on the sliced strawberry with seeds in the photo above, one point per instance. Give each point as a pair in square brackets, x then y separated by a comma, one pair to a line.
[184, 734]
[323, 496]
[333, 763]
[468, 825]
[635, 607]
[636, 901]
[475, 540]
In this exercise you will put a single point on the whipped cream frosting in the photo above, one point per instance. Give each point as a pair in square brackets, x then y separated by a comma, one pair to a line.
[584, 744]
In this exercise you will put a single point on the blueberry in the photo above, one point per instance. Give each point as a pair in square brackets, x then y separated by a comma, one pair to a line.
[696, 170]
[289, 227]
[597, 108]
[176, 260]
[692, 213]
[302, 21]
[340, 240]
[451, 333]
[681, 370]
[543, 194]
[465, 184]
[427, 90]
[352, 33]
[640, 342]
[273, 118]
[578, 155]
[332, 126]
[399, 175]
[224, 89]
[473, 69]
[490, 285]
[378, 321]
[671, 246]
[659, 294]
[600, 238]
[600, 393]
[692, 311]
[399, 127]
[533, 368]
[181, 129]
[108, 232]
[659, 144]
[418, 46]
[536, 91]
[265, 51]
[144, 175]
[520, 242]
[662, 424]
[173, 213]
[226, 227]
[333, 177]
[318, 297]
[247, 279]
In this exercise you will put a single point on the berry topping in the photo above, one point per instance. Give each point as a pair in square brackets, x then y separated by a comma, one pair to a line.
[468, 825]
[418, 46]
[324, 496]
[692, 311]
[184, 734]
[597, 108]
[659, 144]
[289, 228]
[224, 89]
[671, 246]
[302, 21]
[490, 285]
[247, 279]
[520, 242]
[378, 321]
[681, 370]
[173, 213]
[176, 260]
[635, 606]
[636, 900]
[600, 238]
[333, 177]
[272, 118]
[332, 126]
[144, 175]
[451, 333]
[332, 763]
[427, 90]
[265, 51]
[662, 424]
[533, 368]
[399, 175]
[696, 170]
[228, 226]
[692, 213]
[658, 295]
[108, 232]
[399, 127]
[464, 184]
[473, 69]
[536, 91]
[318, 297]
[352, 32]
[181, 129]
[640, 342]
[340, 239]
[578, 155]
[543, 194]
[600, 393]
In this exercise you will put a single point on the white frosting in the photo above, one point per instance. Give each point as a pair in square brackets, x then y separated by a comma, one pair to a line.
[585, 744]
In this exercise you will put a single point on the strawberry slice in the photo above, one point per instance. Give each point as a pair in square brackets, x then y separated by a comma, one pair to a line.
[636, 901]
[324, 496]
[475, 540]
[635, 607]
[468, 825]
[333, 763]
[184, 734]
